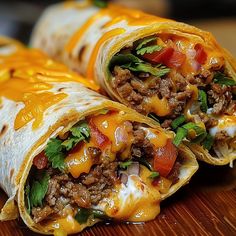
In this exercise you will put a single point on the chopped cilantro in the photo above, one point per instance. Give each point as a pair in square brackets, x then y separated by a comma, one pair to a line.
[55, 154]
[38, 190]
[56, 149]
[149, 49]
[222, 79]
[78, 133]
[133, 63]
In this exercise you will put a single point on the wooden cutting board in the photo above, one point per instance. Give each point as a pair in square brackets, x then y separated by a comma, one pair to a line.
[206, 206]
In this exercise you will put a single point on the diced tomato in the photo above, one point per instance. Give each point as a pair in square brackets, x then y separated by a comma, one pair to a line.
[159, 56]
[201, 55]
[167, 56]
[165, 158]
[99, 138]
[176, 60]
[40, 161]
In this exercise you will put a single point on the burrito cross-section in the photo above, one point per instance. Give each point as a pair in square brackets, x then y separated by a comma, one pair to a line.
[168, 70]
[70, 157]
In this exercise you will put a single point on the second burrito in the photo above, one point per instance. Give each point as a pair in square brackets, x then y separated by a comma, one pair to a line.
[165, 69]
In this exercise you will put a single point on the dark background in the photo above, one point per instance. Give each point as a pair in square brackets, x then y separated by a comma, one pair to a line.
[218, 16]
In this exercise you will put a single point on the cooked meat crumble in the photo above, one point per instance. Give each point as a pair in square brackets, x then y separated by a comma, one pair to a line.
[90, 188]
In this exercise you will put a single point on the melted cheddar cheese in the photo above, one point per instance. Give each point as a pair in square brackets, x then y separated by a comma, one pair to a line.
[26, 76]
[159, 106]
[112, 125]
[79, 161]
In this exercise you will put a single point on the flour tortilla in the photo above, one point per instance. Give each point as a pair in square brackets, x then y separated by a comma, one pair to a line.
[60, 23]
[19, 147]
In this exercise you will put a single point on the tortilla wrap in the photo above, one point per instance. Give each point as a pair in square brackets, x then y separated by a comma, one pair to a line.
[40, 100]
[87, 39]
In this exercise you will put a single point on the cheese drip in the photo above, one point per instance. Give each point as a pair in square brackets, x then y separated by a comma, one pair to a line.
[26, 76]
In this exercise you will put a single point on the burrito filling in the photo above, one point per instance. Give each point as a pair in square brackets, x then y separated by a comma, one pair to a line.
[105, 167]
[183, 85]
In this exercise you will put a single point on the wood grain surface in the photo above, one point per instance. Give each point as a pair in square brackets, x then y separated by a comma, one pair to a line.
[206, 206]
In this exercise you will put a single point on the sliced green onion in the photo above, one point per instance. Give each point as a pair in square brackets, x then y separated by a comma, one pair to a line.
[203, 100]
[200, 132]
[145, 41]
[208, 142]
[199, 138]
[178, 121]
[180, 135]
[154, 175]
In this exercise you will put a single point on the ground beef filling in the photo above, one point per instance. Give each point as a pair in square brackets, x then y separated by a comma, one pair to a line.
[135, 88]
[220, 98]
[88, 190]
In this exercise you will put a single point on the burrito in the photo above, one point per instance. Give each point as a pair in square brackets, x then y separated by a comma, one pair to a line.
[168, 70]
[70, 157]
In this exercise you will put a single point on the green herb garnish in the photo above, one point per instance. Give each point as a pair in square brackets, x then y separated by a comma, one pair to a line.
[208, 142]
[154, 175]
[100, 3]
[144, 42]
[222, 79]
[55, 154]
[180, 135]
[133, 63]
[125, 165]
[122, 59]
[202, 97]
[149, 49]
[144, 67]
[200, 132]
[56, 149]
[178, 121]
[83, 215]
[79, 133]
[38, 190]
